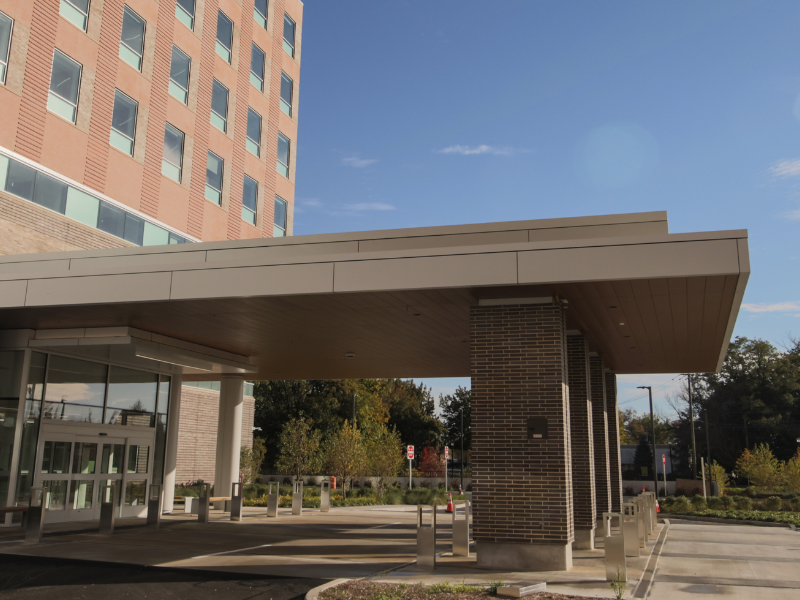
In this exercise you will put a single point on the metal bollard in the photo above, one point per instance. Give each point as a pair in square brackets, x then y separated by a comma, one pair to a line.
[237, 501]
[190, 505]
[325, 496]
[640, 526]
[36, 510]
[154, 503]
[426, 539]
[630, 528]
[109, 505]
[653, 515]
[203, 503]
[272, 499]
[297, 498]
[648, 520]
[615, 549]
[461, 529]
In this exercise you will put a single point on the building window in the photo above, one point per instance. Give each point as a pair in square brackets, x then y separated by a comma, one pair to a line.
[279, 228]
[260, 13]
[257, 61]
[249, 200]
[6, 28]
[284, 148]
[184, 11]
[214, 168]
[65, 83]
[123, 122]
[76, 12]
[224, 36]
[289, 28]
[219, 106]
[172, 162]
[286, 94]
[253, 132]
[131, 46]
[179, 75]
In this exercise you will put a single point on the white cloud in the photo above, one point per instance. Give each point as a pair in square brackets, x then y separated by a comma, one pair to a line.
[786, 168]
[359, 163]
[793, 215]
[482, 149]
[311, 202]
[368, 206]
[775, 307]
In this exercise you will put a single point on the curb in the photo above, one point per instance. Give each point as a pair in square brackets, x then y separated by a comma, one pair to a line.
[726, 521]
[648, 576]
[313, 593]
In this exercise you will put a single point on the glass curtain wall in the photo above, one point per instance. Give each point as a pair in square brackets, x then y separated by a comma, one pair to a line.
[10, 381]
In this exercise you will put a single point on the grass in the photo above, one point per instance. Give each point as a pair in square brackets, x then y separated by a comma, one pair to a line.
[748, 515]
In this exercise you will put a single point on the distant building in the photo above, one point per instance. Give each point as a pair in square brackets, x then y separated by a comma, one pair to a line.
[628, 452]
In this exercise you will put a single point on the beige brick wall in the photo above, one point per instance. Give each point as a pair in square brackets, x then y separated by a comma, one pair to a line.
[197, 433]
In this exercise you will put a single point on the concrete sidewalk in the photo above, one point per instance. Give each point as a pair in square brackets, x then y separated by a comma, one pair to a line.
[735, 561]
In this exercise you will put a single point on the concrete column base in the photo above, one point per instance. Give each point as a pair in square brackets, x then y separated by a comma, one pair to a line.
[524, 557]
[584, 539]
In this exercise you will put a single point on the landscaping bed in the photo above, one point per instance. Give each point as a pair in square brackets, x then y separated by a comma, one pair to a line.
[790, 518]
[369, 590]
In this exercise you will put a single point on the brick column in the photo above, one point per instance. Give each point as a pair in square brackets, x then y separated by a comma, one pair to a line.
[614, 462]
[602, 475]
[522, 487]
[580, 413]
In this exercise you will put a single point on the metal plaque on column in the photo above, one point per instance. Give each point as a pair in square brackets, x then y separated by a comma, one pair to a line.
[273, 495]
[426, 538]
[237, 501]
[461, 528]
[325, 496]
[297, 498]
[37, 505]
[109, 504]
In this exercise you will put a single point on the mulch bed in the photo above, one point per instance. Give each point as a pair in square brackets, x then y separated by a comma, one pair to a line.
[369, 590]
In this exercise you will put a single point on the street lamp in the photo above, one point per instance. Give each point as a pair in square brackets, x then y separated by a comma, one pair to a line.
[653, 429]
[462, 449]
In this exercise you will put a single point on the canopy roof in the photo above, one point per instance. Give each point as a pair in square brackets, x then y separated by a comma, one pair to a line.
[398, 301]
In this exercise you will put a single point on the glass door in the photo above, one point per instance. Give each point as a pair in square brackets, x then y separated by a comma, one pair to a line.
[54, 476]
[112, 460]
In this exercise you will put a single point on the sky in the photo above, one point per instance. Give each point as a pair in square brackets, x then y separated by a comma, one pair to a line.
[428, 113]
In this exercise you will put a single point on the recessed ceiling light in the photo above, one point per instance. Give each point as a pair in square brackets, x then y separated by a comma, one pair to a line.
[622, 323]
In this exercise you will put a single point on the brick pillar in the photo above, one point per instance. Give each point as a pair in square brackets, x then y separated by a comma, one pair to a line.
[614, 462]
[602, 475]
[522, 487]
[580, 413]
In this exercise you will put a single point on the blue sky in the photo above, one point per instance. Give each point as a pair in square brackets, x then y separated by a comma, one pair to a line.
[436, 113]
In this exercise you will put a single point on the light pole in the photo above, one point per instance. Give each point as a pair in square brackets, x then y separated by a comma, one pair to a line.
[462, 450]
[691, 422]
[653, 429]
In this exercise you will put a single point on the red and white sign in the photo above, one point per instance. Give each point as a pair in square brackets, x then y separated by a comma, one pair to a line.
[410, 453]
[446, 453]
[664, 459]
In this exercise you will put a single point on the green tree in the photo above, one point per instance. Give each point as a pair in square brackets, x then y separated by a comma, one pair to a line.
[384, 454]
[345, 454]
[299, 448]
[411, 410]
[634, 425]
[760, 466]
[790, 474]
[643, 458]
[451, 406]
[251, 459]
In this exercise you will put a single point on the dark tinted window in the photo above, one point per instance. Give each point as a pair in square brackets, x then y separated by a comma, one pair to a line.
[224, 30]
[111, 220]
[134, 229]
[20, 180]
[254, 126]
[286, 89]
[179, 68]
[280, 212]
[219, 99]
[250, 193]
[124, 116]
[50, 193]
[288, 29]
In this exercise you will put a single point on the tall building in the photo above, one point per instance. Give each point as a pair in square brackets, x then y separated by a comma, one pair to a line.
[142, 122]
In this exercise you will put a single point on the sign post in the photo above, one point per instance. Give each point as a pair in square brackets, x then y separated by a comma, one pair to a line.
[410, 454]
[664, 464]
[446, 467]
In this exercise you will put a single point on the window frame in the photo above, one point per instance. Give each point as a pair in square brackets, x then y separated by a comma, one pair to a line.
[183, 147]
[289, 47]
[257, 13]
[179, 7]
[144, 35]
[188, 78]
[286, 217]
[85, 14]
[224, 118]
[290, 105]
[135, 121]
[260, 78]
[221, 178]
[286, 165]
[59, 96]
[256, 143]
[218, 44]
[4, 61]
[252, 211]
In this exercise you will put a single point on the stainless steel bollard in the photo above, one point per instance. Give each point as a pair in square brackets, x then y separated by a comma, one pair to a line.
[641, 528]
[630, 528]
[190, 505]
[237, 501]
[325, 496]
[35, 520]
[651, 496]
[461, 529]
[109, 504]
[648, 520]
[154, 503]
[272, 499]
[297, 498]
[203, 503]
[426, 539]
[615, 549]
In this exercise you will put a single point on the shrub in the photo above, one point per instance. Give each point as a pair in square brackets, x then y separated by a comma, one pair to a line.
[680, 492]
[714, 503]
[773, 503]
[681, 504]
[727, 502]
[699, 503]
[426, 484]
[288, 481]
[751, 491]
[743, 503]
[795, 504]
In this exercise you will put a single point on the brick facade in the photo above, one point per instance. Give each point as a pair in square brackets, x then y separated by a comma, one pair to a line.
[197, 438]
[614, 462]
[522, 488]
[582, 439]
[600, 433]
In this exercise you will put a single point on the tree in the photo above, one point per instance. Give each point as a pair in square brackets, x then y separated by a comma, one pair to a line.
[760, 466]
[299, 449]
[432, 462]
[384, 454]
[345, 455]
[251, 459]
[452, 405]
[790, 473]
[634, 425]
[717, 473]
[643, 457]
[411, 410]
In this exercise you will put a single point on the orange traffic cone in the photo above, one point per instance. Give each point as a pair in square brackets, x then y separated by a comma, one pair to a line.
[449, 503]
[658, 508]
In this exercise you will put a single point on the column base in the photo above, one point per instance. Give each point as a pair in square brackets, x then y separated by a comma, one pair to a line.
[524, 557]
[584, 539]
